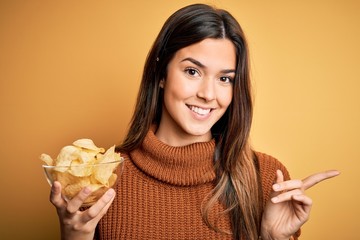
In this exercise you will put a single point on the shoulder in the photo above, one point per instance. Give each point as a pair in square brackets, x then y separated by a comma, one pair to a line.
[269, 164]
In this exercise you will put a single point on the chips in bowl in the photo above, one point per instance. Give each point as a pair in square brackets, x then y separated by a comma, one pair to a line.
[83, 164]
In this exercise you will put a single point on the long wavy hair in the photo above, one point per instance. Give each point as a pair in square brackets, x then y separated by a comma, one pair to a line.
[237, 183]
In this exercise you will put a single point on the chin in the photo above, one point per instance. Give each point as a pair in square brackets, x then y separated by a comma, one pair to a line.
[200, 133]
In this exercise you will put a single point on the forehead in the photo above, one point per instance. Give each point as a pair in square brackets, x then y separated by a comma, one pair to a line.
[219, 53]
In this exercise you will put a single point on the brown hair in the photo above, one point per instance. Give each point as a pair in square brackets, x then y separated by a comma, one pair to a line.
[238, 185]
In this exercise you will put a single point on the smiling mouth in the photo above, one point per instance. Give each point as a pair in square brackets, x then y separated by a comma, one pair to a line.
[198, 110]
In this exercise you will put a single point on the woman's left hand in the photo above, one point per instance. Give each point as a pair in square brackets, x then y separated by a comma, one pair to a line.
[289, 207]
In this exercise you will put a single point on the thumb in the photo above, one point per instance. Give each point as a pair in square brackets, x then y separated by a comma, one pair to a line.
[55, 195]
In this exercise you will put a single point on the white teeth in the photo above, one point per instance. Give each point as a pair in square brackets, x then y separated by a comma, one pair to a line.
[200, 111]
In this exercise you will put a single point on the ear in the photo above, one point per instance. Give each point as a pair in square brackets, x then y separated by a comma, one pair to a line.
[162, 83]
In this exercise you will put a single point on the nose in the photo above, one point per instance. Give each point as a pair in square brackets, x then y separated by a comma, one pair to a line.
[207, 90]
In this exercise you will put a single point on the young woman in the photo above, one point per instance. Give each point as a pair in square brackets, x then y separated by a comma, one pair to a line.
[190, 172]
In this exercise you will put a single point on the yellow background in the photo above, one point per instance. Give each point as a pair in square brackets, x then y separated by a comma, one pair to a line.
[71, 69]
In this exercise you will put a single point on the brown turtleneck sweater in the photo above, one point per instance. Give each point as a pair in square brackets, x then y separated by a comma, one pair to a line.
[161, 189]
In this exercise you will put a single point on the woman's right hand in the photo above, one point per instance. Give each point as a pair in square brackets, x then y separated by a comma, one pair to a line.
[76, 224]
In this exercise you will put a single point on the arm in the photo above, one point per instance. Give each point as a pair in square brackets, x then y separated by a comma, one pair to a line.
[76, 224]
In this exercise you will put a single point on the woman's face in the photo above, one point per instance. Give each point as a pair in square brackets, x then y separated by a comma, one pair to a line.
[197, 91]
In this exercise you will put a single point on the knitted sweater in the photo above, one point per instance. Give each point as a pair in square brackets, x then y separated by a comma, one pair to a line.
[161, 189]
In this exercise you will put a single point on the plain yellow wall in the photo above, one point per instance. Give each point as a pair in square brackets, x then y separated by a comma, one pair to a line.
[71, 69]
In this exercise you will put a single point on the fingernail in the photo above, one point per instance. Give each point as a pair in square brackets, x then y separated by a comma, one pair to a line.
[276, 186]
[56, 184]
[87, 190]
[110, 193]
[275, 199]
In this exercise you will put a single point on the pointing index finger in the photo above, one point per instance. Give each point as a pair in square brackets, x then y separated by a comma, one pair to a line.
[318, 177]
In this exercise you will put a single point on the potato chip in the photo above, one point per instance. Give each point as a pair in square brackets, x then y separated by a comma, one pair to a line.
[112, 179]
[95, 195]
[81, 165]
[88, 144]
[67, 155]
[80, 169]
[87, 157]
[65, 178]
[75, 187]
[47, 159]
[103, 172]
[110, 156]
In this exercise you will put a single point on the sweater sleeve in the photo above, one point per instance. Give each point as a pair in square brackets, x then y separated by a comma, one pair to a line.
[267, 168]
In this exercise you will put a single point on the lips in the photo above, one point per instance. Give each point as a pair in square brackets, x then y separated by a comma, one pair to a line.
[198, 110]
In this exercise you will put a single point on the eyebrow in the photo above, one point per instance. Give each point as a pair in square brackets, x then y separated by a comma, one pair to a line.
[199, 64]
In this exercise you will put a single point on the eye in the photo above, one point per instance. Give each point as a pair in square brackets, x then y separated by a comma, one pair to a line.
[192, 72]
[226, 79]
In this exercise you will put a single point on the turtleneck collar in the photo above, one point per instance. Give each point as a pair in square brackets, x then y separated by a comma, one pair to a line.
[182, 166]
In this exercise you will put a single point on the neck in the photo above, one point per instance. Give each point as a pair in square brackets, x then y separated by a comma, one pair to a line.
[178, 138]
[185, 165]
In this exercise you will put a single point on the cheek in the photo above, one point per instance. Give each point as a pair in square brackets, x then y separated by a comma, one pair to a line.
[179, 89]
[173, 94]
[225, 97]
